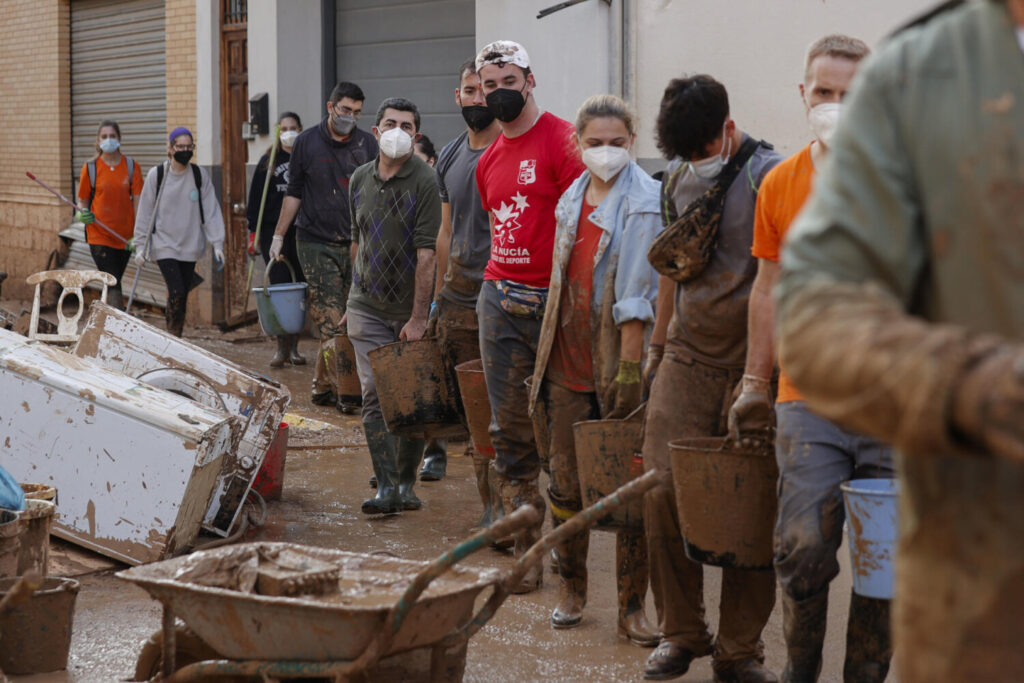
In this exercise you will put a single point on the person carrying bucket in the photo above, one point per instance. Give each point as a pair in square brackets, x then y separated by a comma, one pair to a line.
[291, 125]
[178, 214]
[815, 456]
[395, 216]
[591, 345]
[717, 168]
[109, 190]
[901, 315]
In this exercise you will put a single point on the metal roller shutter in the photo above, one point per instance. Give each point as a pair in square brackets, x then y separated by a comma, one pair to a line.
[412, 49]
[117, 72]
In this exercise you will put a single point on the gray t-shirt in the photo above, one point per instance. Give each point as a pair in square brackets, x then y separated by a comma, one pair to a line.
[471, 231]
[711, 310]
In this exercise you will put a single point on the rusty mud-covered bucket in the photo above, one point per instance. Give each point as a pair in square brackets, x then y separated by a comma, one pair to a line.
[608, 457]
[11, 531]
[473, 389]
[413, 391]
[343, 371]
[35, 636]
[37, 520]
[40, 492]
[726, 497]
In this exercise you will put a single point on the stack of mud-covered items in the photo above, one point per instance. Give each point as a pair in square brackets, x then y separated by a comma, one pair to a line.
[35, 609]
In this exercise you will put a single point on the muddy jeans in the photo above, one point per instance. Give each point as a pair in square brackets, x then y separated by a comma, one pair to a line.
[815, 456]
[328, 270]
[458, 335]
[368, 332]
[565, 408]
[690, 399]
[508, 346]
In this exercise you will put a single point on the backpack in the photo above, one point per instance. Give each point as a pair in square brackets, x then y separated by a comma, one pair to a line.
[197, 176]
[91, 169]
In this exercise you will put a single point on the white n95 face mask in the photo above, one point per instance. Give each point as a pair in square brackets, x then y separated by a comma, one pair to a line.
[395, 143]
[823, 119]
[606, 161]
[288, 137]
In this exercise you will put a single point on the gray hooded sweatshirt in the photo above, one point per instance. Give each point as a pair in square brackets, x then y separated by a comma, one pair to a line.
[178, 233]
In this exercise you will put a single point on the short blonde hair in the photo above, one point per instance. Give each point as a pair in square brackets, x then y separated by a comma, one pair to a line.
[835, 45]
[602, 106]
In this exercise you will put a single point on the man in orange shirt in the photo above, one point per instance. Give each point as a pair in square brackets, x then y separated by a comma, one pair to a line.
[815, 456]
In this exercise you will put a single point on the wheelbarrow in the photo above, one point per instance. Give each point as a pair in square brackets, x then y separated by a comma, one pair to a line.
[351, 634]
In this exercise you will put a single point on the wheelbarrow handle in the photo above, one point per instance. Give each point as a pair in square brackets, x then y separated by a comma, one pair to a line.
[520, 519]
[539, 550]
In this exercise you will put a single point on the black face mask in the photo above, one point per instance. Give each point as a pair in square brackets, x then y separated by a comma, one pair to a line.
[183, 156]
[506, 104]
[477, 117]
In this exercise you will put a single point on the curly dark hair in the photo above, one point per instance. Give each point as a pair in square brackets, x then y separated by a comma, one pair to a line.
[693, 111]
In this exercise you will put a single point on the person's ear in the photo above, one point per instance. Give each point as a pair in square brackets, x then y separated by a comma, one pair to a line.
[458, 98]
[376, 132]
[576, 143]
[330, 108]
[416, 138]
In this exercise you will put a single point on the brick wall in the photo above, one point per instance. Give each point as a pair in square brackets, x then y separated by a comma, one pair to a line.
[180, 53]
[35, 70]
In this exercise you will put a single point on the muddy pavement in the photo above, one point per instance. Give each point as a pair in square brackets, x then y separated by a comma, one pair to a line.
[323, 491]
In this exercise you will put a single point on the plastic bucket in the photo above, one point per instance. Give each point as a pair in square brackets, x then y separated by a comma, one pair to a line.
[269, 481]
[413, 392]
[473, 389]
[40, 492]
[11, 531]
[35, 636]
[873, 529]
[37, 520]
[608, 457]
[726, 497]
[281, 308]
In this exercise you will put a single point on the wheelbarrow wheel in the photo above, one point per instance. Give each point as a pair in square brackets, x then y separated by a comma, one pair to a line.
[189, 648]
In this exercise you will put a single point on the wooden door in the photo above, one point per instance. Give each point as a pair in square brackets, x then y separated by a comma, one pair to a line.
[234, 107]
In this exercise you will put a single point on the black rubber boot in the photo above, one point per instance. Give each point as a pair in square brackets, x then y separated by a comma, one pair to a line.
[435, 460]
[572, 576]
[281, 357]
[410, 452]
[803, 624]
[868, 641]
[294, 357]
[384, 455]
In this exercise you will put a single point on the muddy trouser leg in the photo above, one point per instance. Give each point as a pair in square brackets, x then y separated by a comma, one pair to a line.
[328, 270]
[178, 276]
[368, 332]
[565, 408]
[114, 261]
[631, 579]
[508, 346]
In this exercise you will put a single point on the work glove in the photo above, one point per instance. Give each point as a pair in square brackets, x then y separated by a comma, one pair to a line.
[431, 331]
[988, 403]
[752, 415]
[252, 248]
[85, 217]
[129, 246]
[625, 393]
[654, 355]
[276, 245]
[218, 256]
[140, 259]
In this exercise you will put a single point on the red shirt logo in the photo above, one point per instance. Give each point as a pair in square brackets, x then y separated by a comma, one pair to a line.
[527, 171]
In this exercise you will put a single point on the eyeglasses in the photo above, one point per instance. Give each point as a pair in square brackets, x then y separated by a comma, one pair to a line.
[347, 111]
[183, 148]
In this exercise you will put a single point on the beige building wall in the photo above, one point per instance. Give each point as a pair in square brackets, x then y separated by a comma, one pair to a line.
[180, 51]
[35, 71]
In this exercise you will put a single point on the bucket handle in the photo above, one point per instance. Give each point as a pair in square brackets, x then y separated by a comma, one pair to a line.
[266, 274]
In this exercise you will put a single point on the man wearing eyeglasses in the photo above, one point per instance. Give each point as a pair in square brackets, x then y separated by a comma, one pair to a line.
[323, 158]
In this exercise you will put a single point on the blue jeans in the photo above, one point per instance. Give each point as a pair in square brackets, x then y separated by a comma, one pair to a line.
[815, 456]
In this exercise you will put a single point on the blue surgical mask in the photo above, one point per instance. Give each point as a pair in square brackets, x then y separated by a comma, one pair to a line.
[110, 144]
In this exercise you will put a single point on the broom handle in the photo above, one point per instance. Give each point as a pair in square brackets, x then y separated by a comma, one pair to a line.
[149, 241]
[259, 217]
[96, 221]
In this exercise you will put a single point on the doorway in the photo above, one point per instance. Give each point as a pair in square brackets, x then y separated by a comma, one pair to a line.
[234, 103]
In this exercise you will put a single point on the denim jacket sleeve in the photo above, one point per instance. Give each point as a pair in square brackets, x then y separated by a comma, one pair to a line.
[636, 281]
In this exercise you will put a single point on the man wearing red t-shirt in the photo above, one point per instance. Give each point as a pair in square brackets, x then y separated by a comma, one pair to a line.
[520, 178]
[815, 455]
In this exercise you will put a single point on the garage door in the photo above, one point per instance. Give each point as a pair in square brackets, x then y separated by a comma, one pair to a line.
[117, 72]
[398, 48]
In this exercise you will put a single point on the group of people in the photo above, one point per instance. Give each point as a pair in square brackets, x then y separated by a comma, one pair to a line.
[525, 243]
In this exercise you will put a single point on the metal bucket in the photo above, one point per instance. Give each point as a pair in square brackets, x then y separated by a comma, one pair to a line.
[37, 520]
[477, 405]
[608, 457]
[11, 531]
[349, 390]
[413, 392]
[726, 497]
[40, 492]
[282, 308]
[871, 509]
[35, 637]
[541, 433]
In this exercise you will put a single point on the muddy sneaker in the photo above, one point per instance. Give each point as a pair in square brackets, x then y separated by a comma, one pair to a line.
[743, 671]
[669, 660]
[324, 398]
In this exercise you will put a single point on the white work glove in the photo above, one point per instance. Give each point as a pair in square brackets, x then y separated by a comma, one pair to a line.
[140, 258]
[276, 245]
[218, 256]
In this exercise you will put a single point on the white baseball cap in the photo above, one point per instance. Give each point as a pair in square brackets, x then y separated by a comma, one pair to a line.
[502, 52]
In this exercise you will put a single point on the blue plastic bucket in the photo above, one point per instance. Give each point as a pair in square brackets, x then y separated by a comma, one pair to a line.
[873, 523]
[282, 308]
